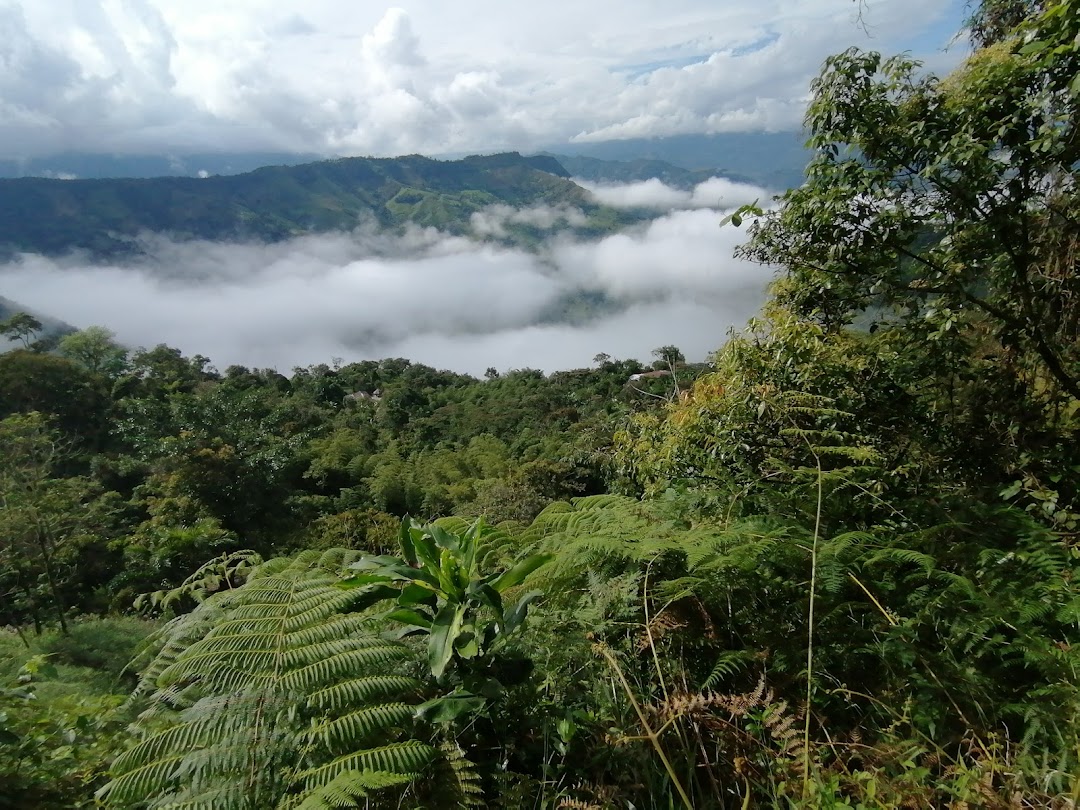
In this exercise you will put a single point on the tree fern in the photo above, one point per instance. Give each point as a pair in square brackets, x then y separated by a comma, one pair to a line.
[271, 694]
[590, 531]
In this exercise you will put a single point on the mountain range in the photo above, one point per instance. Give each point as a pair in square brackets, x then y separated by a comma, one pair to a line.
[774, 160]
[106, 217]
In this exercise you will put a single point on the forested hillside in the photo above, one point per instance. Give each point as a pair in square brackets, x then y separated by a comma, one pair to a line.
[105, 217]
[837, 568]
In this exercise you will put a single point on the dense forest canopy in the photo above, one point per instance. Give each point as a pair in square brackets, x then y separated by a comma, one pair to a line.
[838, 567]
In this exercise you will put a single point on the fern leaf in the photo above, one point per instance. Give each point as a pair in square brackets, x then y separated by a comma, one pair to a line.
[264, 680]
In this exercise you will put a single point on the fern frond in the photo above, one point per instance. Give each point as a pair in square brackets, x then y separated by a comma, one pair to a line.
[357, 691]
[411, 756]
[902, 556]
[261, 682]
[464, 781]
[361, 724]
[349, 787]
[727, 664]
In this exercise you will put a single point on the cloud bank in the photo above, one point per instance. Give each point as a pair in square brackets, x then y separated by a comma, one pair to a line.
[716, 193]
[338, 77]
[442, 300]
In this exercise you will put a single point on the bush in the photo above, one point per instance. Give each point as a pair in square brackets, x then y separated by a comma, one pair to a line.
[106, 645]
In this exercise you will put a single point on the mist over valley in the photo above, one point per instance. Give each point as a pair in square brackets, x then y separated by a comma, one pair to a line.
[497, 285]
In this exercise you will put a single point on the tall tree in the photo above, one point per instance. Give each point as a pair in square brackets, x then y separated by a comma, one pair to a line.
[42, 516]
[946, 204]
[943, 211]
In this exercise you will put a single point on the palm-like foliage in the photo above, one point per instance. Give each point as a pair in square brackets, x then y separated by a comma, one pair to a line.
[271, 695]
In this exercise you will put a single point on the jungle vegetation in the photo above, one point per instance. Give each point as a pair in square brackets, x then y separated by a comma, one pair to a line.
[838, 569]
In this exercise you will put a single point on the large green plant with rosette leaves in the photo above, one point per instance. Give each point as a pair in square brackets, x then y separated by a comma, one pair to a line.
[445, 586]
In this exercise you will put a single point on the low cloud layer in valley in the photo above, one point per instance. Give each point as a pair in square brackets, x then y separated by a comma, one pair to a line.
[717, 192]
[443, 300]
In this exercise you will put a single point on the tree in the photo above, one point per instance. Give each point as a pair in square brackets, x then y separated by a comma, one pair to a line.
[41, 516]
[943, 212]
[43, 382]
[224, 453]
[995, 20]
[22, 327]
[164, 370]
[95, 349]
[668, 357]
[948, 205]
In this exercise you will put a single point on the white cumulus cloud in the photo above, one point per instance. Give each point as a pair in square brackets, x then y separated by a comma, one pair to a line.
[360, 78]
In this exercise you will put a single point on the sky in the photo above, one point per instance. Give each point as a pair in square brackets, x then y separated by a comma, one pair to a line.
[347, 77]
[447, 301]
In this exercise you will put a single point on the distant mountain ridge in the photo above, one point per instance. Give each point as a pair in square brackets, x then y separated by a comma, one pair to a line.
[600, 171]
[773, 160]
[91, 165]
[105, 217]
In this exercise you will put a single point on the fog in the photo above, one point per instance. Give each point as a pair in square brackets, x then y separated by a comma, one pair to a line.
[443, 300]
[715, 193]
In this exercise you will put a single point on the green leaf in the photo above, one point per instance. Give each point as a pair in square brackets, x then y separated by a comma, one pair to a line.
[416, 594]
[408, 550]
[488, 687]
[466, 644]
[444, 631]
[373, 595]
[517, 574]
[409, 616]
[489, 596]
[363, 580]
[470, 544]
[516, 615]
[444, 539]
[427, 555]
[450, 575]
[387, 568]
[449, 708]
[1012, 490]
